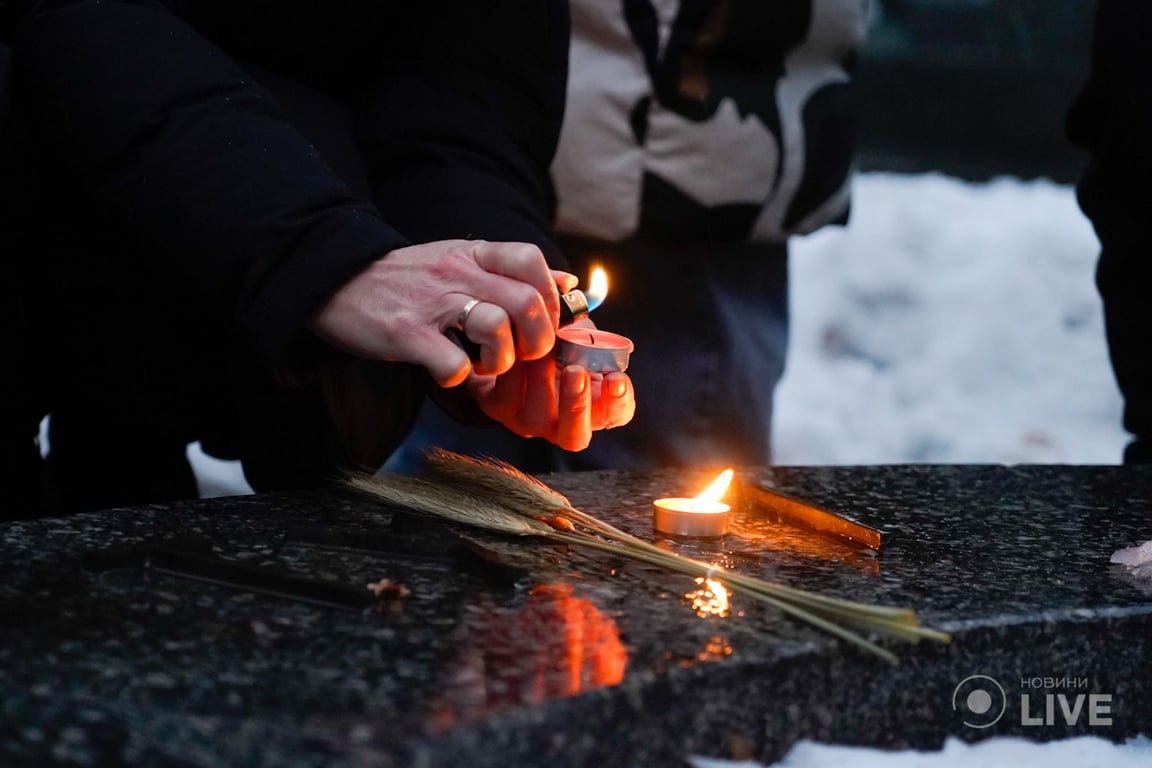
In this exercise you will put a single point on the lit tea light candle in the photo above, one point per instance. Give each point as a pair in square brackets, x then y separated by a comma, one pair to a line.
[704, 515]
[598, 351]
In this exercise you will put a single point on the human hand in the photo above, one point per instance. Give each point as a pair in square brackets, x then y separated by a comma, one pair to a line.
[399, 307]
[564, 406]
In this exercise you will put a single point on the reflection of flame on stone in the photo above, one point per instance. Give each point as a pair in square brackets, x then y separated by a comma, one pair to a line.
[717, 649]
[585, 651]
[710, 600]
[559, 644]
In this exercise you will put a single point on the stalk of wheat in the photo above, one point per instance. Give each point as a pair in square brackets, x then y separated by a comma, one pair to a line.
[493, 495]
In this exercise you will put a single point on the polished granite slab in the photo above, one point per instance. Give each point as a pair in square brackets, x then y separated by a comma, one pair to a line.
[240, 631]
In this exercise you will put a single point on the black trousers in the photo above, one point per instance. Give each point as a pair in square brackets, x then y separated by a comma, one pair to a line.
[1112, 119]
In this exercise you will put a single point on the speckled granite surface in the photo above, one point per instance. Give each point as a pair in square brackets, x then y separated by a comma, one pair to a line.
[505, 655]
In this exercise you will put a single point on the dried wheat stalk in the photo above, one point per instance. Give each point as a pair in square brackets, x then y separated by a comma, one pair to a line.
[494, 495]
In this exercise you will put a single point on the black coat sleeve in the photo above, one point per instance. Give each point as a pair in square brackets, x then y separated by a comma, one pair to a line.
[459, 126]
[194, 162]
[1112, 119]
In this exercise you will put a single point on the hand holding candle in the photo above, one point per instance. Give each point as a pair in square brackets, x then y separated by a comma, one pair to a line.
[582, 346]
[582, 389]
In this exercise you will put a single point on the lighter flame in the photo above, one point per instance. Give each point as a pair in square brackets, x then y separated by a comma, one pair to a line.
[719, 486]
[597, 288]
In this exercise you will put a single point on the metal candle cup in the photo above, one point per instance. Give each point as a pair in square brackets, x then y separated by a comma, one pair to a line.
[596, 350]
[690, 517]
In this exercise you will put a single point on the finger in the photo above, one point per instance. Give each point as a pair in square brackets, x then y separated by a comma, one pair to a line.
[565, 281]
[535, 313]
[504, 397]
[534, 333]
[615, 404]
[445, 362]
[480, 387]
[469, 304]
[538, 414]
[521, 261]
[573, 423]
[489, 326]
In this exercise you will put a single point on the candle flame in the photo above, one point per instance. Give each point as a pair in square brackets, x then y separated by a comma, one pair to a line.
[597, 288]
[718, 488]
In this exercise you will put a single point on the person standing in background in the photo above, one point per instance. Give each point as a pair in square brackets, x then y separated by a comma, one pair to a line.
[698, 136]
[1111, 118]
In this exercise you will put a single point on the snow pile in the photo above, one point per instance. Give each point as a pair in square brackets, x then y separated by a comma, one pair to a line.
[1138, 560]
[1001, 752]
[949, 322]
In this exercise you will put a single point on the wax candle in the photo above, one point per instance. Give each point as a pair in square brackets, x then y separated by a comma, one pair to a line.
[704, 515]
[596, 350]
[690, 517]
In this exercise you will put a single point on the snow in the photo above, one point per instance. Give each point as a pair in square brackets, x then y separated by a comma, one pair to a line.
[215, 477]
[1135, 556]
[1002, 752]
[949, 322]
[1137, 560]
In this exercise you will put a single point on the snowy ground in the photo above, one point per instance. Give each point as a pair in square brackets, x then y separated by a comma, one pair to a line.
[1004, 752]
[948, 323]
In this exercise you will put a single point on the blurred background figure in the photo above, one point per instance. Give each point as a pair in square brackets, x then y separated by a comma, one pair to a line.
[1112, 120]
[698, 136]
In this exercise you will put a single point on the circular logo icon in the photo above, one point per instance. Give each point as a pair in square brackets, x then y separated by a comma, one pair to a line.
[980, 700]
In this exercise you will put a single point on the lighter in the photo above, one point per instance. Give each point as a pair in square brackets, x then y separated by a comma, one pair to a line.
[598, 351]
[573, 306]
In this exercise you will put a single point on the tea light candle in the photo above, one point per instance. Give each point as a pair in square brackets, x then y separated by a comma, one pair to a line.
[703, 516]
[690, 517]
[598, 351]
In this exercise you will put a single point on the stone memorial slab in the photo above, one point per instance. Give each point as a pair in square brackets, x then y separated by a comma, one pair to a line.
[243, 632]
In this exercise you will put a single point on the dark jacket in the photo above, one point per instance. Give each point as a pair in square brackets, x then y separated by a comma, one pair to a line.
[161, 120]
[182, 184]
[1112, 120]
